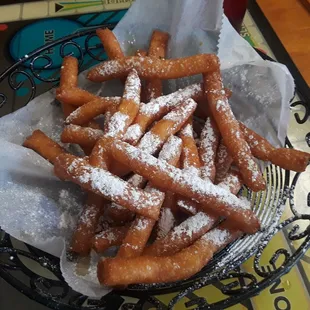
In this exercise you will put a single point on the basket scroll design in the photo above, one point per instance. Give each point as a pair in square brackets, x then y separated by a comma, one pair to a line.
[223, 272]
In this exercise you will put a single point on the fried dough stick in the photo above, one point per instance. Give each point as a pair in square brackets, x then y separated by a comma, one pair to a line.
[109, 237]
[230, 131]
[190, 160]
[68, 79]
[84, 136]
[157, 108]
[192, 228]
[85, 113]
[118, 123]
[212, 198]
[180, 266]
[152, 142]
[110, 43]
[232, 182]
[153, 68]
[157, 48]
[103, 183]
[43, 145]
[209, 141]
[285, 158]
[154, 139]
[223, 162]
[141, 228]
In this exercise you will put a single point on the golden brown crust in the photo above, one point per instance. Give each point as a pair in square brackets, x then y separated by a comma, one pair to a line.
[43, 145]
[153, 68]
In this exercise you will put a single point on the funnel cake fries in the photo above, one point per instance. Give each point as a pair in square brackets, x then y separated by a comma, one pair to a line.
[87, 224]
[68, 80]
[141, 228]
[223, 162]
[190, 157]
[211, 198]
[157, 108]
[182, 236]
[44, 146]
[167, 126]
[109, 237]
[142, 53]
[171, 123]
[209, 140]
[153, 68]
[128, 107]
[85, 113]
[68, 94]
[190, 160]
[120, 214]
[232, 182]
[289, 159]
[230, 131]
[74, 96]
[110, 43]
[159, 187]
[157, 48]
[84, 136]
[195, 226]
[153, 140]
[117, 124]
[151, 269]
[103, 183]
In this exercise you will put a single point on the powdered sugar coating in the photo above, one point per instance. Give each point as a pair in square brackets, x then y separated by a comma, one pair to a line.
[184, 205]
[88, 215]
[132, 87]
[72, 116]
[142, 223]
[110, 67]
[114, 205]
[150, 143]
[177, 114]
[76, 113]
[231, 182]
[187, 131]
[133, 134]
[222, 153]
[217, 236]
[190, 170]
[172, 100]
[221, 105]
[113, 187]
[191, 226]
[117, 125]
[153, 67]
[252, 140]
[93, 133]
[136, 180]
[165, 223]
[202, 188]
[252, 166]
[171, 149]
[207, 140]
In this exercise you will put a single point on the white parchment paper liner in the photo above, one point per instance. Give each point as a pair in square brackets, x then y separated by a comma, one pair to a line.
[39, 209]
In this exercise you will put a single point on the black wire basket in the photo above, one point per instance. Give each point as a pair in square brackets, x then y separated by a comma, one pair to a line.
[37, 72]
